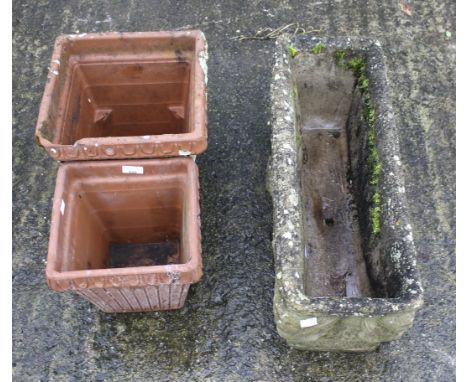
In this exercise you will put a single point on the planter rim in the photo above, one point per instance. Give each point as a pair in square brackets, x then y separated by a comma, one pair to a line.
[289, 270]
[128, 277]
[145, 146]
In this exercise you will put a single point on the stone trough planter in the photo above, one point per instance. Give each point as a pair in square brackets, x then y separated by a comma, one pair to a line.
[346, 277]
[126, 234]
[125, 95]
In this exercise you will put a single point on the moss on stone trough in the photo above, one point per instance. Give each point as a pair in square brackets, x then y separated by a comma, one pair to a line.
[293, 51]
[318, 48]
[358, 66]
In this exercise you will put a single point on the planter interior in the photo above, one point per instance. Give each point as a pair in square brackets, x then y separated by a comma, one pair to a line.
[120, 222]
[130, 98]
[125, 224]
[346, 277]
[121, 95]
[327, 108]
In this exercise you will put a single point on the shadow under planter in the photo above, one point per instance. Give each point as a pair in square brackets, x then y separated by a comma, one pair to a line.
[346, 275]
[125, 95]
[126, 234]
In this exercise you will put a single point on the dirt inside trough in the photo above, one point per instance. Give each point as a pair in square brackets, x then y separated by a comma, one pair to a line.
[334, 260]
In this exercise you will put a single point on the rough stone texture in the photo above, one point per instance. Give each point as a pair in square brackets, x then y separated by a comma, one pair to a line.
[343, 323]
[226, 331]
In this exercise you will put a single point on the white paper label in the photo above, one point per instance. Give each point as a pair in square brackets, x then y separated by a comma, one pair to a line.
[132, 170]
[184, 153]
[62, 207]
[308, 322]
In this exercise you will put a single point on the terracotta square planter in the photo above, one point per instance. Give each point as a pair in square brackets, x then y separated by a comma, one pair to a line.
[126, 234]
[125, 95]
[346, 277]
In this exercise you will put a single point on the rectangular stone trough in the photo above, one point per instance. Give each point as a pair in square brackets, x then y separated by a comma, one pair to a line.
[346, 277]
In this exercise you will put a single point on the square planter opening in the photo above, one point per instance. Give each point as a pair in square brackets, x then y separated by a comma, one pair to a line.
[126, 234]
[346, 278]
[125, 95]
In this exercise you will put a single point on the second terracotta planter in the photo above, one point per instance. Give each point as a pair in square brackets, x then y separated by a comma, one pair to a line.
[126, 234]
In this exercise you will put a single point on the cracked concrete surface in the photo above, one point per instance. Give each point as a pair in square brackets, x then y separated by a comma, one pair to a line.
[226, 331]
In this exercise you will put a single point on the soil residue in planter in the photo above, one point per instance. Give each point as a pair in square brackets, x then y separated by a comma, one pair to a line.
[334, 260]
[137, 255]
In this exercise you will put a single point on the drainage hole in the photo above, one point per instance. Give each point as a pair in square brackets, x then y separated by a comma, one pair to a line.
[329, 221]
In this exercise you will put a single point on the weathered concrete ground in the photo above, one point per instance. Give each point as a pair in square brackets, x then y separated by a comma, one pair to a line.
[226, 331]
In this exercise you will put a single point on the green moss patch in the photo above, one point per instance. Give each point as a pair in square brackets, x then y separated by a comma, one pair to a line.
[293, 51]
[358, 66]
[340, 56]
[318, 48]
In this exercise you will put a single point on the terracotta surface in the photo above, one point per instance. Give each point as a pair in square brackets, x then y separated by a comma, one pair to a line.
[125, 95]
[126, 234]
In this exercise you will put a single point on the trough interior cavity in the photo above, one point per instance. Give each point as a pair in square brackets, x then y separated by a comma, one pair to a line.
[127, 98]
[335, 264]
[114, 220]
